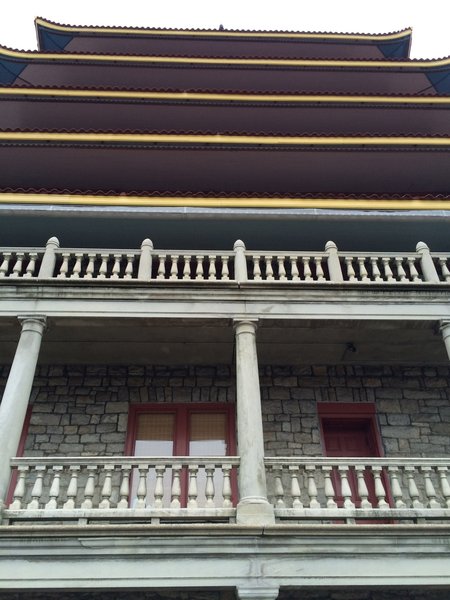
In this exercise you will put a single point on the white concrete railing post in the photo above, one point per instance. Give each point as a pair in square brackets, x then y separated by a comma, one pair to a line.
[444, 327]
[268, 592]
[145, 261]
[15, 400]
[334, 265]
[253, 507]
[240, 262]
[47, 267]
[429, 272]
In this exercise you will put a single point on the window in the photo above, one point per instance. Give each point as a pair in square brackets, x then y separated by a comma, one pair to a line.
[200, 430]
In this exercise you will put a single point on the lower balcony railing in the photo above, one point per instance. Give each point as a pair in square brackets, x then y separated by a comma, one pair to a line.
[186, 489]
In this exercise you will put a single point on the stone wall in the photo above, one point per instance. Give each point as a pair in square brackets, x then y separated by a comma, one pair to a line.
[84, 410]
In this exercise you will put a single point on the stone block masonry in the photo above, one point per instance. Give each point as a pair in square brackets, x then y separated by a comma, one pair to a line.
[84, 410]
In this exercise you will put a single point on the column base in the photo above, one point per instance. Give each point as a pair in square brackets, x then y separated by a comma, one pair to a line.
[254, 510]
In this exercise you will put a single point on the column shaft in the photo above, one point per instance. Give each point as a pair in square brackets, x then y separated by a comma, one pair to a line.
[15, 399]
[253, 507]
[445, 331]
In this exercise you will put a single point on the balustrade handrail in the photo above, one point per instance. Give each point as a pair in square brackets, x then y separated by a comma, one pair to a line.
[50, 461]
[352, 461]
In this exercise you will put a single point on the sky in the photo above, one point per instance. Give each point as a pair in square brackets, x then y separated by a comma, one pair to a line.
[429, 18]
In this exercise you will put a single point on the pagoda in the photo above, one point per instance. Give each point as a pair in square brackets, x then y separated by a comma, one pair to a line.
[224, 316]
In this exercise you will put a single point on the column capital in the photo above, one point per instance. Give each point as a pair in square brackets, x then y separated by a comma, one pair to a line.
[269, 592]
[36, 323]
[245, 325]
[444, 325]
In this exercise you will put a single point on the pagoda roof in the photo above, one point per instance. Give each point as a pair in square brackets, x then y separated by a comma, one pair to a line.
[225, 164]
[142, 112]
[226, 42]
[216, 74]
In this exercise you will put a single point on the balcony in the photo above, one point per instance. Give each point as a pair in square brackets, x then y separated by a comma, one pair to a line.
[86, 490]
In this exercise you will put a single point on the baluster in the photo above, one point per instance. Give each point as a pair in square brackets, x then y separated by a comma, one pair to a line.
[350, 270]
[269, 269]
[279, 490]
[396, 489]
[412, 269]
[174, 266]
[142, 486]
[89, 488]
[19, 490]
[77, 266]
[319, 270]
[328, 487]
[294, 268]
[17, 269]
[199, 269]
[91, 265]
[115, 274]
[106, 488]
[31, 265]
[295, 487]
[129, 267]
[5, 264]
[187, 266]
[225, 270]
[376, 274]
[387, 269]
[281, 268]
[159, 485]
[192, 489]
[124, 491]
[63, 270]
[312, 488]
[345, 487]
[72, 488]
[427, 264]
[54, 489]
[363, 492]
[103, 270]
[256, 268]
[226, 486]
[442, 263]
[209, 487]
[161, 267]
[430, 492]
[380, 492]
[176, 487]
[412, 487]
[212, 267]
[307, 274]
[363, 275]
[445, 486]
[36, 492]
[400, 270]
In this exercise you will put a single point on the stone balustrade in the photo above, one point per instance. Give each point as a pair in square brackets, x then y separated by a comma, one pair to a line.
[85, 489]
[411, 489]
[241, 265]
[154, 489]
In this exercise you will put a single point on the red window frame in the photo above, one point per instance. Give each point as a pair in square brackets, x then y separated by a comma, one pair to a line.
[181, 433]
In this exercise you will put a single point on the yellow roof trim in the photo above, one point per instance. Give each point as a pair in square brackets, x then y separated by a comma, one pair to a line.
[202, 96]
[330, 203]
[236, 62]
[144, 138]
[225, 33]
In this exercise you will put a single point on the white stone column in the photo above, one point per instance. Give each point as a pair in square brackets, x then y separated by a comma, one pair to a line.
[253, 507]
[15, 399]
[444, 327]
